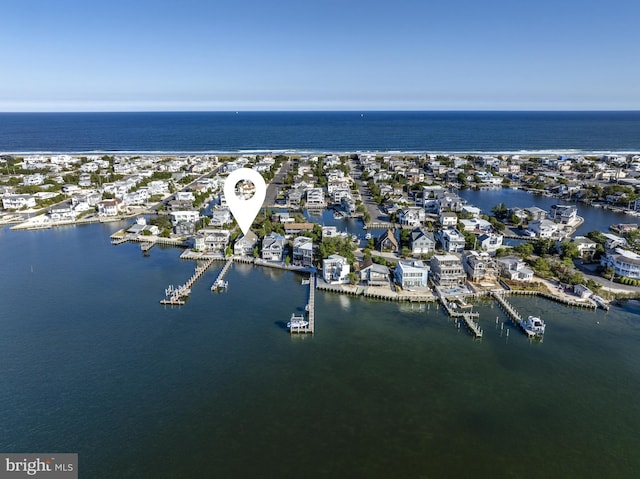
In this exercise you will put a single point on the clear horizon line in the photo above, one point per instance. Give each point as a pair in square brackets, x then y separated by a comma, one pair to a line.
[284, 110]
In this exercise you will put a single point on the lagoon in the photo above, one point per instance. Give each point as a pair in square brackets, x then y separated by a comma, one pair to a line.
[92, 363]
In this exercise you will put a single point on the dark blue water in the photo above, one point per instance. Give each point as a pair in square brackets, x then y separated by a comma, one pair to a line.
[92, 363]
[320, 131]
[594, 218]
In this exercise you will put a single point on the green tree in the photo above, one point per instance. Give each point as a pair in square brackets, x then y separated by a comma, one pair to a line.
[569, 250]
[524, 249]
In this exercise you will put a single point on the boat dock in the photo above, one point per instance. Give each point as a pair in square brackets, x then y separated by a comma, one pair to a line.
[310, 328]
[174, 296]
[467, 317]
[219, 282]
[513, 314]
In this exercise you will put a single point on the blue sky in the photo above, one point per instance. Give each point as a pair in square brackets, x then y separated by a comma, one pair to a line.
[69, 55]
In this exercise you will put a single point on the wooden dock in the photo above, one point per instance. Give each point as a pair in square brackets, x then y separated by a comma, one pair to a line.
[467, 318]
[175, 296]
[512, 313]
[218, 283]
[310, 328]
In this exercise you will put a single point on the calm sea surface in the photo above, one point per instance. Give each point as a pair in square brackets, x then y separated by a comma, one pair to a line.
[92, 363]
[320, 131]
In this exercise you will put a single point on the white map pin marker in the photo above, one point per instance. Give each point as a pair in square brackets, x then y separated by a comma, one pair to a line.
[245, 211]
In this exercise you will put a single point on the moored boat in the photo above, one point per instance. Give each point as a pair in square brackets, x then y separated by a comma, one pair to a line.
[297, 322]
[534, 326]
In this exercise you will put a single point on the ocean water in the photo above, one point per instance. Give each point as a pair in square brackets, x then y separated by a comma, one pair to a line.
[92, 363]
[320, 131]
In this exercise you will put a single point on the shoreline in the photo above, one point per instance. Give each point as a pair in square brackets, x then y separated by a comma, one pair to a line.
[302, 151]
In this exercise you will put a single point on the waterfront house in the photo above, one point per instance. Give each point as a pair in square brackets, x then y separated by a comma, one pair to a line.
[294, 228]
[303, 251]
[449, 202]
[216, 240]
[335, 269]
[330, 232]
[514, 269]
[412, 216]
[373, 274]
[17, 202]
[422, 242]
[185, 215]
[543, 228]
[490, 242]
[447, 270]
[62, 212]
[452, 240]
[196, 242]
[411, 275]
[479, 266]
[476, 225]
[245, 244]
[294, 197]
[387, 242]
[474, 211]
[185, 228]
[448, 218]
[535, 214]
[624, 262]
[175, 205]
[582, 291]
[315, 198]
[614, 241]
[273, 247]
[564, 214]
[109, 207]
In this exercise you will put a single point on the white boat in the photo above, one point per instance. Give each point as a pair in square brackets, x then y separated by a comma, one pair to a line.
[368, 236]
[534, 325]
[297, 322]
[600, 302]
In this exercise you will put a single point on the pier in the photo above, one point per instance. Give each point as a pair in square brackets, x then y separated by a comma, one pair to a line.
[513, 314]
[219, 282]
[467, 317]
[310, 328]
[175, 296]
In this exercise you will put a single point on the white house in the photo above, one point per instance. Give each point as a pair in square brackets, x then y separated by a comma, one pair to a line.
[190, 215]
[16, 202]
[335, 269]
[490, 242]
[448, 218]
[452, 240]
[109, 207]
[245, 244]
[411, 275]
[624, 262]
[303, 251]
[543, 228]
[412, 216]
[514, 268]
[273, 247]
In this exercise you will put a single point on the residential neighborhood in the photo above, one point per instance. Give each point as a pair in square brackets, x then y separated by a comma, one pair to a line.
[420, 233]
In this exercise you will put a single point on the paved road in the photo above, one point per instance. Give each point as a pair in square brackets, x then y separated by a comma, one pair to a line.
[372, 207]
[276, 184]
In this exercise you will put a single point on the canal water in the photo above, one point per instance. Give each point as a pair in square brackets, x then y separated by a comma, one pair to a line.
[93, 364]
[594, 218]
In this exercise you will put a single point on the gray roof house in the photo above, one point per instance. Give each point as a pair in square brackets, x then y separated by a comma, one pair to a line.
[273, 247]
[244, 244]
[422, 242]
